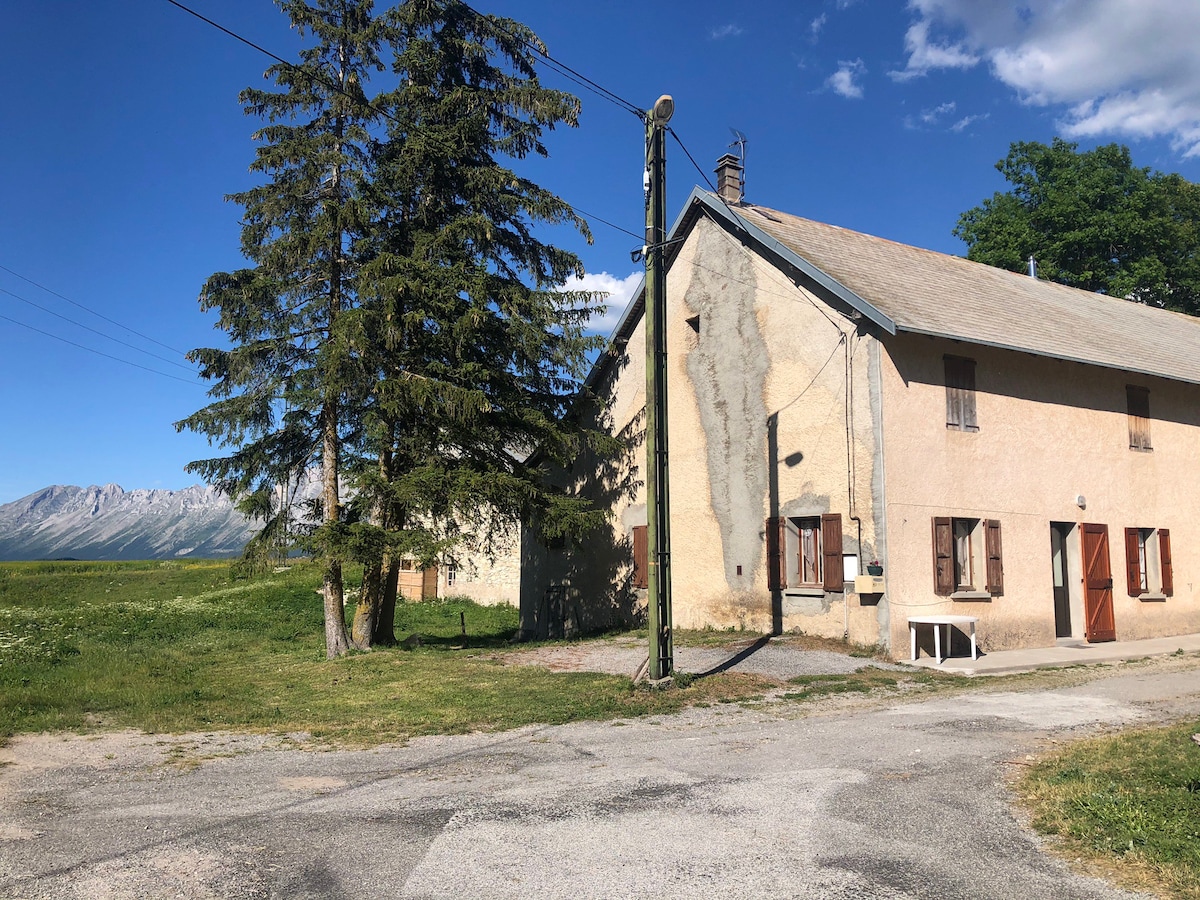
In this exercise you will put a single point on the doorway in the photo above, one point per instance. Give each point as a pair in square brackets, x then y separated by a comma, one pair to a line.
[1061, 581]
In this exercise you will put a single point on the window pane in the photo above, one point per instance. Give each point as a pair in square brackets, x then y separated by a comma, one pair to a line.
[809, 567]
[964, 576]
[1145, 586]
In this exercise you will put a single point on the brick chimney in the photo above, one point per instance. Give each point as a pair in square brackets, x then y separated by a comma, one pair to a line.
[729, 178]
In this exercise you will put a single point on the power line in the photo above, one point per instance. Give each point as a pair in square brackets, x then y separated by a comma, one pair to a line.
[145, 337]
[563, 69]
[733, 213]
[98, 352]
[362, 101]
[109, 337]
[695, 164]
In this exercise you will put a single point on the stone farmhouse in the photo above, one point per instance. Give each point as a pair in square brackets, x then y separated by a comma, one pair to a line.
[999, 446]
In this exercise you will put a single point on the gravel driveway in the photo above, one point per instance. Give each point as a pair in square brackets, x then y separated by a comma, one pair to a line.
[906, 800]
[780, 658]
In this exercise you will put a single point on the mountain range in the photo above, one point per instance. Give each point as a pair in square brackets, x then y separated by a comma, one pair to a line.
[65, 521]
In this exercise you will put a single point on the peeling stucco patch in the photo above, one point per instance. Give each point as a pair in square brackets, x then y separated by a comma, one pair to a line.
[729, 368]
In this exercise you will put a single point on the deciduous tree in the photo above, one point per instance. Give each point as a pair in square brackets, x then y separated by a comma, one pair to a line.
[1092, 220]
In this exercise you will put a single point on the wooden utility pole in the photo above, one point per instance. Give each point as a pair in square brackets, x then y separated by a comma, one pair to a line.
[658, 507]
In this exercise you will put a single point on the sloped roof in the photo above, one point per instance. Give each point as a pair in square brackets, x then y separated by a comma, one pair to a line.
[924, 292]
[903, 288]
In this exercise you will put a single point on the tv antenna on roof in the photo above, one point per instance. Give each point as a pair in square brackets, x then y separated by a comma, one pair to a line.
[739, 141]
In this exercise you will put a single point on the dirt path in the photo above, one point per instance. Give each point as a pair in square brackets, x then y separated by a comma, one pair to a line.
[901, 800]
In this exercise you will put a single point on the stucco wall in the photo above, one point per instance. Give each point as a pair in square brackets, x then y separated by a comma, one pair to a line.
[487, 578]
[758, 387]
[1049, 431]
[588, 585]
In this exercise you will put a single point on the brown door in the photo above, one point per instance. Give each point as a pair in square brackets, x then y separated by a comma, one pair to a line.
[1098, 583]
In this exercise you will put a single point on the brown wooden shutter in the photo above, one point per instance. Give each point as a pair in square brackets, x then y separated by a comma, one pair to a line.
[776, 564]
[995, 560]
[960, 393]
[641, 557]
[1139, 416]
[1164, 559]
[968, 396]
[953, 398]
[1133, 566]
[943, 557]
[832, 574]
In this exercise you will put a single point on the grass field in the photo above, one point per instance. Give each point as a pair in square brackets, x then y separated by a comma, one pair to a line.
[1128, 805]
[180, 646]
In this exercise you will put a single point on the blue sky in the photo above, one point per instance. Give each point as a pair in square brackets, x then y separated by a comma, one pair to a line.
[123, 133]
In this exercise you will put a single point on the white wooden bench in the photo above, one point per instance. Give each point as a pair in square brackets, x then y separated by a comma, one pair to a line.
[937, 622]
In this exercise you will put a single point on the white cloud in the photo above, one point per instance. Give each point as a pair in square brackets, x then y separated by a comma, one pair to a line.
[815, 26]
[924, 54]
[931, 116]
[1117, 67]
[845, 80]
[725, 31]
[967, 121]
[936, 116]
[619, 290]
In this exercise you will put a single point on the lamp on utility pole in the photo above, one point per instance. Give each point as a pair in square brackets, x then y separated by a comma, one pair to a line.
[658, 508]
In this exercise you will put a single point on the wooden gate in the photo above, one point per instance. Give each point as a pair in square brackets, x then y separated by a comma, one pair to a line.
[1098, 584]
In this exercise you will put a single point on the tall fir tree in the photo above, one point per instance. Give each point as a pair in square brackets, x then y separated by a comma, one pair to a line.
[480, 352]
[280, 388]
[402, 325]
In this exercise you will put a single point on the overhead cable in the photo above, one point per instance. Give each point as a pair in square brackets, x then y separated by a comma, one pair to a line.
[99, 352]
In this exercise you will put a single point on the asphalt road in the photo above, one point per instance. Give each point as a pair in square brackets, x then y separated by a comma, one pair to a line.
[900, 801]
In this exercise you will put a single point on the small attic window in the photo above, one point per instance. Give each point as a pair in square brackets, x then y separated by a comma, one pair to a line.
[1138, 400]
[960, 394]
[694, 323]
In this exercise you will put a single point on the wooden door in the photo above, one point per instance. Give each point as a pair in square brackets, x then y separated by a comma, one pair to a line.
[1098, 584]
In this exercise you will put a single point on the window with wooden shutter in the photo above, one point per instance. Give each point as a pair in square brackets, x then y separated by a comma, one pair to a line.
[641, 557]
[776, 563]
[995, 562]
[1164, 561]
[960, 393]
[831, 552]
[943, 557]
[1138, 399]
[1135, 568]
[808, 550]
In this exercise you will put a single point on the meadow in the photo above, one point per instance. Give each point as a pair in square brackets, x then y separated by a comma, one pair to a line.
[176, 646]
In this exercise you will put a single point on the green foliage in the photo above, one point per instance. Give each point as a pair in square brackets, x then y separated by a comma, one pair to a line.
[1092, 220]
[401, 323]
[1133, 797]
[476, 353]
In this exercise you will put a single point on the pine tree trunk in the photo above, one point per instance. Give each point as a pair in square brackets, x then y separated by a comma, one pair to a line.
[385, 624]
[366, 613]
[337, 643]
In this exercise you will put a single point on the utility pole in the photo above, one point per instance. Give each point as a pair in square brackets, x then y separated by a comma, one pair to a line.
[658, 507]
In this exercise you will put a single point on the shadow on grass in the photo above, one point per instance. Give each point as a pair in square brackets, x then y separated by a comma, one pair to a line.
[496, 640]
